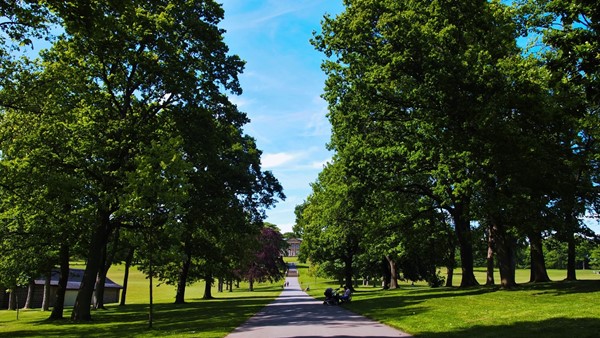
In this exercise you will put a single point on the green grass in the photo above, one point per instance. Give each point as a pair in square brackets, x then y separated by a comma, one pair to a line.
[205, 318]
[557, 309]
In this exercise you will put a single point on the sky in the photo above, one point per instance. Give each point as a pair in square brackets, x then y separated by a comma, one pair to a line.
[282, 84]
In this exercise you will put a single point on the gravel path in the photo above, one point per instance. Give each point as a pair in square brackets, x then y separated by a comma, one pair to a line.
[296, 314]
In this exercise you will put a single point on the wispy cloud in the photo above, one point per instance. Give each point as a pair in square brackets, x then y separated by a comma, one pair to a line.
[282, 82]
[240, 102]
[277, 160]
[266, 12]
[296, 160]
[320, 164]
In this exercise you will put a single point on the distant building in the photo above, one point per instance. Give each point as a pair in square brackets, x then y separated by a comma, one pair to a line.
[293, 246]
[111, 290]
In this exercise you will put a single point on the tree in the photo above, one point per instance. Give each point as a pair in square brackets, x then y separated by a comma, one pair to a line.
[409, 85]
[119, 94]
[569, 31]
[332, 227]
[266, 262]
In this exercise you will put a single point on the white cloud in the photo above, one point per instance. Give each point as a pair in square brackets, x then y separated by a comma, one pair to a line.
[240, 101]
[282, 82]
[319, 125]
[256, 17]
[320, 165]
[277, 160]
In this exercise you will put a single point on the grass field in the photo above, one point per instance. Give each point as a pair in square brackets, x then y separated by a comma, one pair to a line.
[197, 318]
[556, 309]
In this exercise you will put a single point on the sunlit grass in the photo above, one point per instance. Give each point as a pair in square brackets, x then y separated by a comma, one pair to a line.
[197, 318]
[557, 309]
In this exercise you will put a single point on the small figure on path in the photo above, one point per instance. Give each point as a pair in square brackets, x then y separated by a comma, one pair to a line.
[346, 296]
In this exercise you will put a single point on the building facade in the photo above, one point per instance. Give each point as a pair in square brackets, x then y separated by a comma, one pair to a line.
[293, 247]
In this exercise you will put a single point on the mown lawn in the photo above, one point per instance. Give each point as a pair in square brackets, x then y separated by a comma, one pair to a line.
[557, 309]
[197, 318]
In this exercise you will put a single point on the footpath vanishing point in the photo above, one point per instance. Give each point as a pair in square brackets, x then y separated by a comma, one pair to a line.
[295, 314]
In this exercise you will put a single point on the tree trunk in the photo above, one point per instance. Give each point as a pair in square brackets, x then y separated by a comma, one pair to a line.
[12, 299]
[348, 272]
[393, 273]
[451, 264]
[490, 259]
[46, 294]
[538, 272]
[101, 280]
[504, 250]
[208, 287]
[150, 286]
[61, 291]
[463, 233]
[220, 285]
[251, 282]
[83, 302]
[107, 261]
[183, 276]
[30, 290]
[128, 260]
[571, 267]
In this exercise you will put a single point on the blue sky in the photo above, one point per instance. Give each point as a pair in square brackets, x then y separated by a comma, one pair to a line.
[282, 84]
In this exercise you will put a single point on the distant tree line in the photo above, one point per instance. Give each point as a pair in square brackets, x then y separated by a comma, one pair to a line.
[119, 143]
[457, 123]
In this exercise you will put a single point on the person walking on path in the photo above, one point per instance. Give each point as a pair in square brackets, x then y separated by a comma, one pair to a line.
[296, 314]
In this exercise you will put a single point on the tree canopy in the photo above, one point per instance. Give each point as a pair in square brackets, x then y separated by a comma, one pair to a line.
[445, 118]
[124, 128]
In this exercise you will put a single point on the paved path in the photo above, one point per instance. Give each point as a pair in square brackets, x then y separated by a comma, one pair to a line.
[296, 314]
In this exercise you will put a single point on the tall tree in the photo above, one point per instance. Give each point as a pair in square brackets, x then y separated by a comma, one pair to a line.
[332, 227]
[265, 261]
[409, 84]
[569, 30]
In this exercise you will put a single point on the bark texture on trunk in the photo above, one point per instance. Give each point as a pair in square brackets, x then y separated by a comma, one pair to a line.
[83, 302]
[463, 233]
[128, 261]
[101, 280]
[490, 259]
[182, 282]
[571, 267]
[12, 299]
[29, 298]
[348, 272]
[505, 252]
[61, 291]
[393, 273]
[46, 294]
[538, 273]
[451, 264]
[208, 287]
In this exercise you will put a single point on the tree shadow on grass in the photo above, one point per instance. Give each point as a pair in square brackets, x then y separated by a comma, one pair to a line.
[216, 316]
[422, 293]
[551, 328]
[563, 287]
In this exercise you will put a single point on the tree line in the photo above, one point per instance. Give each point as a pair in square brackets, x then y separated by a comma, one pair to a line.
[453, 123]
[119, 143]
